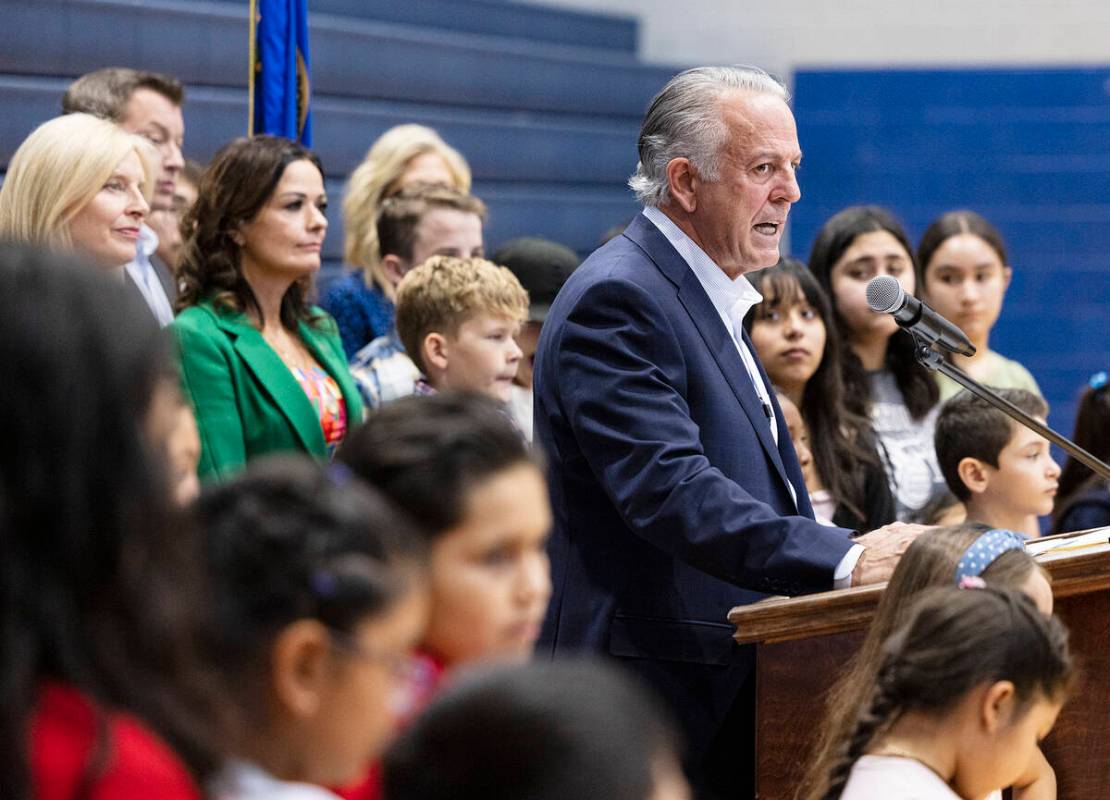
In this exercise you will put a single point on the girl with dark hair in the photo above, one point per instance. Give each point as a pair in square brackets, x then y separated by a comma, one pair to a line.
[1083, 498]
[963, 693]
[102, 692]
[881, 374]
[265, 371]
[789, 329]
[963, 274]
[320, 602]
[933, 560]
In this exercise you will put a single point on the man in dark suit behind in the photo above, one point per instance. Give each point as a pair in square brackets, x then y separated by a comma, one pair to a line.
[676, 491]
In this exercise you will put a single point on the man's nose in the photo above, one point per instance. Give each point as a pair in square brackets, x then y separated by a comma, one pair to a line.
[173, 160]
[790, 190]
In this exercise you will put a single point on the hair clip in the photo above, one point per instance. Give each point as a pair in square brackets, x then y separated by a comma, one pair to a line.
[323, 584]
[1098, 380]
[338, 474]
[972, 582]
[984, 550]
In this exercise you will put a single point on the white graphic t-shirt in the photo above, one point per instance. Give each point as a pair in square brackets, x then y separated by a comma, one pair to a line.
[910, 456]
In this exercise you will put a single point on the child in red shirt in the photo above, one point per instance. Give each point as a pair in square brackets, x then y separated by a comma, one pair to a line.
[456, 463]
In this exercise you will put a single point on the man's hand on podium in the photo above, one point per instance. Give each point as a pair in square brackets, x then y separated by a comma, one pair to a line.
[882, 549]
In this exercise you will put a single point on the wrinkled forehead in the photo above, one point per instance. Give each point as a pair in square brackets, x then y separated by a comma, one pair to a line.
[759, 122]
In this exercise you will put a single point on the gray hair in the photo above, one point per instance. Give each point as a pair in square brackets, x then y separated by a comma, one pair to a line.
[684, 121]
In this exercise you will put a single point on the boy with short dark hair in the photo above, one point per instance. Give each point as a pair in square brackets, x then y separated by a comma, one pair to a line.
[542, 267]
[1002, 472]
[456, 465]
[458, 319]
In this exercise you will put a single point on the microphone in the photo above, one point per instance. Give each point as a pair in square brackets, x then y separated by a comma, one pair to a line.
[885, 295]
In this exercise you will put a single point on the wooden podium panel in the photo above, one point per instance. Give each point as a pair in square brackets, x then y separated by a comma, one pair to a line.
[803, 644]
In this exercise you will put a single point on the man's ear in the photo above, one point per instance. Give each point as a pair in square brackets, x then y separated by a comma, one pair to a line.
[435, 350]
[997, 706]
[300, 667]
[974, 474]
[395, 268]
[682, 180]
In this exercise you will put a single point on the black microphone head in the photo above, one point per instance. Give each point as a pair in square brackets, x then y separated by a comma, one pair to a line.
[884, 294]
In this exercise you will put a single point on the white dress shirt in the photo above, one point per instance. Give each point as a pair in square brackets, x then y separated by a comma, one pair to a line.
[733, 299]
[143, 274]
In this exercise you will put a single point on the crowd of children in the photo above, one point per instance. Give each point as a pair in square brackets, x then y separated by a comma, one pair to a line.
[348, 605]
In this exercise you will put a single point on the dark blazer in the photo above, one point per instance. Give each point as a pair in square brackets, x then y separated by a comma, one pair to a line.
[165, 278]
[669, 493]
[246, 400]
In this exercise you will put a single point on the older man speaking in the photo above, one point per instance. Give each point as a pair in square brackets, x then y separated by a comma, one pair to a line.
[676, 490]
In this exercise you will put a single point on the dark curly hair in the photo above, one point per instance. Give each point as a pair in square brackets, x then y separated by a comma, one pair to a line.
[288, 540]
[427, 453]
[233, 189]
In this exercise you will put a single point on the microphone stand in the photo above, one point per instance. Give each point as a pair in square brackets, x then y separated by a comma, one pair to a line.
[936, 361]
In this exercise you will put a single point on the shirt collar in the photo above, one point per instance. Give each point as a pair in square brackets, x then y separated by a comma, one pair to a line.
[146, 246]
[733, 299]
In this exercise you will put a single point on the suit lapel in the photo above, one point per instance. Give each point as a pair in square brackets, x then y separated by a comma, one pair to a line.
[713, 332]
[276, 379]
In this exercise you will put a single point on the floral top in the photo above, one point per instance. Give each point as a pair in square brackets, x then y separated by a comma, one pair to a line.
[327, 400]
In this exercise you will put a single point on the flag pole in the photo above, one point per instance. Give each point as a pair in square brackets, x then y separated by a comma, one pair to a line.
[253, 67]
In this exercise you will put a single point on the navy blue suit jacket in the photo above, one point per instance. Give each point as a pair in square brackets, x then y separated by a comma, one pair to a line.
[669, 493]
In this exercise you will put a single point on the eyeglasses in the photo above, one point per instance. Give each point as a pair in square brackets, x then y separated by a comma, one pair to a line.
[412, 674]
[402, 666]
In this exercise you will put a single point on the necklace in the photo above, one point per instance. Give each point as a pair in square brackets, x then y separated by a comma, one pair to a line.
[901, 752]
[293, 355]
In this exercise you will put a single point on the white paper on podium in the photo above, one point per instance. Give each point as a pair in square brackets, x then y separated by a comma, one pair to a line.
[1092, 541]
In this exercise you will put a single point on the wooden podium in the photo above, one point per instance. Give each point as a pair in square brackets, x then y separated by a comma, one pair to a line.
[803, 643]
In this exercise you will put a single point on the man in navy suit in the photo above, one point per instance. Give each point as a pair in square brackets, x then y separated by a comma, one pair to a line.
[676, 491]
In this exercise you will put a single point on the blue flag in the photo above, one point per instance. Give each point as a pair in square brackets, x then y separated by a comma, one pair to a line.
[280, 85]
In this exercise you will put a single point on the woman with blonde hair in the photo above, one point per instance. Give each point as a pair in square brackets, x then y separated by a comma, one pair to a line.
[362, 301]
[79, 184]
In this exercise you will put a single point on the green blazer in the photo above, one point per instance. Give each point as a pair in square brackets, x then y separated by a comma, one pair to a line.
[246, 400]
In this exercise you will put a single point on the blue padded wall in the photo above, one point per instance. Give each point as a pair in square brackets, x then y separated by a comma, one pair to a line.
[544, 103]
[1028, 149]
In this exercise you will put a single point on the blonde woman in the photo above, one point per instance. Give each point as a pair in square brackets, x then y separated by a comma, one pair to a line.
[362, 301]
[79, 184]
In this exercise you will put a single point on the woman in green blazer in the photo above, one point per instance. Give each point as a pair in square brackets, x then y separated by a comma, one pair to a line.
[264, 370]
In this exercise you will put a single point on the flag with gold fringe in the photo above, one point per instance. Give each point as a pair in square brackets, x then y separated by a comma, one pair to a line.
[280, 88]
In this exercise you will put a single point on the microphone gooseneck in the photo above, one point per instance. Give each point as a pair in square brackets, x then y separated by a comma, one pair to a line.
[886, 296]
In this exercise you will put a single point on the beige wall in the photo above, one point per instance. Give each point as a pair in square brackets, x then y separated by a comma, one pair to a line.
[785, 34]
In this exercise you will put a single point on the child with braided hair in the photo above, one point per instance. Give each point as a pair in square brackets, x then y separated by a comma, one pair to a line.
[939, 558]
[964, 693]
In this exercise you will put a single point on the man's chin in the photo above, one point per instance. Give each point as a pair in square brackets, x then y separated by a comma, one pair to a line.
[764, 258]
